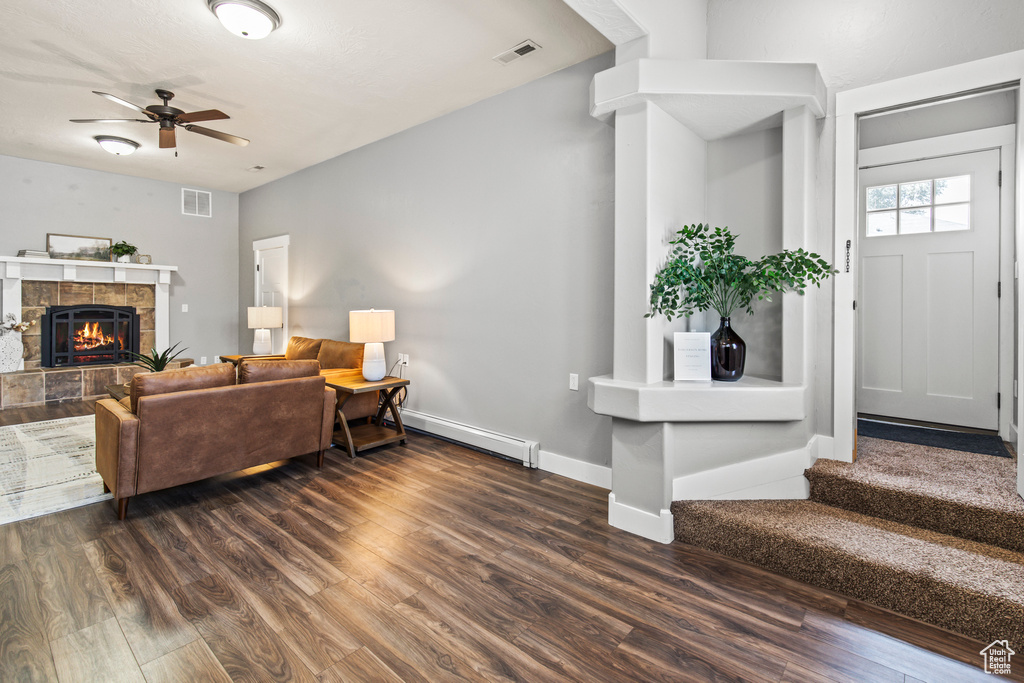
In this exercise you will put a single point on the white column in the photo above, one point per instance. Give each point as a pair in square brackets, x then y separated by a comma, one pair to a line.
[162, 303]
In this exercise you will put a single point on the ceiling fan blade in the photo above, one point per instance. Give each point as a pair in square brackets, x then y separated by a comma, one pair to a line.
[110, 121]
[167, 138]
[126, 103]
[233, 139]
[205, 115]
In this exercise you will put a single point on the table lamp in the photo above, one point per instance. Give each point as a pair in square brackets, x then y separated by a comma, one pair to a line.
[372, 328]
[262, 319]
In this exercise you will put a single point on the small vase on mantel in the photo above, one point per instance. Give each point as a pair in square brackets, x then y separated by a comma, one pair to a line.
[11, 351]
[728, 353]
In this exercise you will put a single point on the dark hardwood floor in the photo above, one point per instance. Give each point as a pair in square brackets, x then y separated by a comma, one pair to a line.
[425, 562]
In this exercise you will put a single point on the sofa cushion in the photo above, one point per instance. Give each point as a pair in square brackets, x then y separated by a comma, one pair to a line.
[185, 379]
[340, 354]
[254, 370]
[302, 348]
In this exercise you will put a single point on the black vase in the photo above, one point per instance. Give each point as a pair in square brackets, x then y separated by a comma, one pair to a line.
[728, 353]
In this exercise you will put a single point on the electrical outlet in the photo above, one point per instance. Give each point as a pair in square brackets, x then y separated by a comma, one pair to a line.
[405, 359]
[202, 360]
[574, 382]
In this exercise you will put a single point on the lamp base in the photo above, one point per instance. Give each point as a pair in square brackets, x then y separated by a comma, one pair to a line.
[374, 365]
[261, 343]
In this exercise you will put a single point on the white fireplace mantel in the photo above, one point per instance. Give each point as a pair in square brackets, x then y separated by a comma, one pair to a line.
[15, 269]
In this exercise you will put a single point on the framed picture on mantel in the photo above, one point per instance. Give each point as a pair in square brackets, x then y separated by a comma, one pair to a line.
[692, 356]
[78, 247]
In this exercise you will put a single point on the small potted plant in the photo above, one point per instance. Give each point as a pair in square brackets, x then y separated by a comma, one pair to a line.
[123, 251]
[156, 362]
[703, 272]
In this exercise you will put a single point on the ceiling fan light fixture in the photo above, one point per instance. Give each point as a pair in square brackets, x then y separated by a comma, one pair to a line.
[121, 147]
[250, 19]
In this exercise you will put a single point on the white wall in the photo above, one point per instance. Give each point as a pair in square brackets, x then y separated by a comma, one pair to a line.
[854, 43]
[38, 197]
[489, 231]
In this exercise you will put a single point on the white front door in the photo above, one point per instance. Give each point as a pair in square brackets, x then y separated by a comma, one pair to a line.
[928, 308]
[271, 256]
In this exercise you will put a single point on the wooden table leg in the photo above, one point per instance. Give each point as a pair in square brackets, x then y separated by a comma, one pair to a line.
[389, 404]
[344, 424]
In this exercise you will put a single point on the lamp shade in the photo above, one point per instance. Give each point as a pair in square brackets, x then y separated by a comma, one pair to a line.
[366, 327]
[265, 317]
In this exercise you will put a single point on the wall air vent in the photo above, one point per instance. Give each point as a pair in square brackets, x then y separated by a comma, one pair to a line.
[196, 203]
[521, 50]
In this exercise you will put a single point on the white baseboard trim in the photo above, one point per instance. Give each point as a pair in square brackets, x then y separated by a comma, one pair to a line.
[795, 488]
[510, 446]
[772, 476]
[588, 473]
[647, 524]
[824, 447]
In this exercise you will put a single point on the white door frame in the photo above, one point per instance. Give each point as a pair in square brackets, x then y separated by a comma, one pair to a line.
[281, 241]
[1003, 140]
[850, 105]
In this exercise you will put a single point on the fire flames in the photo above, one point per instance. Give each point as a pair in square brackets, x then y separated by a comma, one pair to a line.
[90, 336]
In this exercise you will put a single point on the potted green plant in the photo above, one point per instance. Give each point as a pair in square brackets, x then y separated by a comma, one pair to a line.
[156, 362]
[123, 251]
[703, 271]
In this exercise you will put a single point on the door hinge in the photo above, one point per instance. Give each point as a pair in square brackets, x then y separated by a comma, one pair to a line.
[257, 267]
[999, 290]
[1000, 179]
[855, 304]
[998, 400]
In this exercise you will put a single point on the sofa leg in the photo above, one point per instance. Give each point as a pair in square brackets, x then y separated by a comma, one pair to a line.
[320, 460]
[122, 508]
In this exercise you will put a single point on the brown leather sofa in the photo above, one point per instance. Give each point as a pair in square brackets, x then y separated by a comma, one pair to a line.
[338, 359]
[180, 426]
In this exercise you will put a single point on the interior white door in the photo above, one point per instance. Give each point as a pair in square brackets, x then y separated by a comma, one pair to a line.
[272, 286]
[928, 308]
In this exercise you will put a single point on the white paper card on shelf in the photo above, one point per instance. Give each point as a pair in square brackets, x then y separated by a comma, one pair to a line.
[692, 356]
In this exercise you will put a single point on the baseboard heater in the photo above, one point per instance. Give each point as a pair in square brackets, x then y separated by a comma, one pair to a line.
[509, 446]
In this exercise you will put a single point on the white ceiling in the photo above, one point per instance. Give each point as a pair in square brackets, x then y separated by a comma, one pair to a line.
[337, 74]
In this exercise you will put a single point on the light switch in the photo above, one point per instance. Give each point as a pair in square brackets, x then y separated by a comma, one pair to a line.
[184, 308]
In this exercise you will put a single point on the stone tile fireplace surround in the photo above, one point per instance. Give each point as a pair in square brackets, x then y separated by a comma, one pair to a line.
[30, 285]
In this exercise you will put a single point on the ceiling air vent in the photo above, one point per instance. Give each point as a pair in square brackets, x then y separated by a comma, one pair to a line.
[196, 203]
[521, 50]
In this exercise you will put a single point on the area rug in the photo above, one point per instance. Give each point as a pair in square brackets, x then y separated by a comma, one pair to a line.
[984, 444]
[48, 467]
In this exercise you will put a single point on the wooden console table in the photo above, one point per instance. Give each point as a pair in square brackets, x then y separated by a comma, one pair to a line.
[362, 437]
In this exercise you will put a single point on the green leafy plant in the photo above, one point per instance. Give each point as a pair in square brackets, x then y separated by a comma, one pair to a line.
[156, 362]
[703, 271]
[122, 248]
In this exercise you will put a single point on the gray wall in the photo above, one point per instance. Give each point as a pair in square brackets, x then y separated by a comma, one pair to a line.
[38, 197]
[944, 118]
[856, 43]
[744, 193]
[489, 231]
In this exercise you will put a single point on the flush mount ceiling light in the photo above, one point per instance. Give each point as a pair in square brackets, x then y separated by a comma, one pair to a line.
[116, 145]
[246, 18]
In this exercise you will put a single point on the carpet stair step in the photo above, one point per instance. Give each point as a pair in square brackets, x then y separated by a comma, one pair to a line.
[954, 493]
[962, 585]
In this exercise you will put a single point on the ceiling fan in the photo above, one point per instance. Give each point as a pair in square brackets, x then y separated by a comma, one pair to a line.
[170, 117]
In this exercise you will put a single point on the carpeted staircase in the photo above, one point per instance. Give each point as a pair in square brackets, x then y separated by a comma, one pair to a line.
[934, 534]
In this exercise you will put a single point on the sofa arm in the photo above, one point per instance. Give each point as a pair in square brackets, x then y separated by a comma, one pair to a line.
[330, 411]
[117, 442]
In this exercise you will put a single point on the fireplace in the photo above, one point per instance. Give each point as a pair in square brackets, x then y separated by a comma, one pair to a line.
[88, 335]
